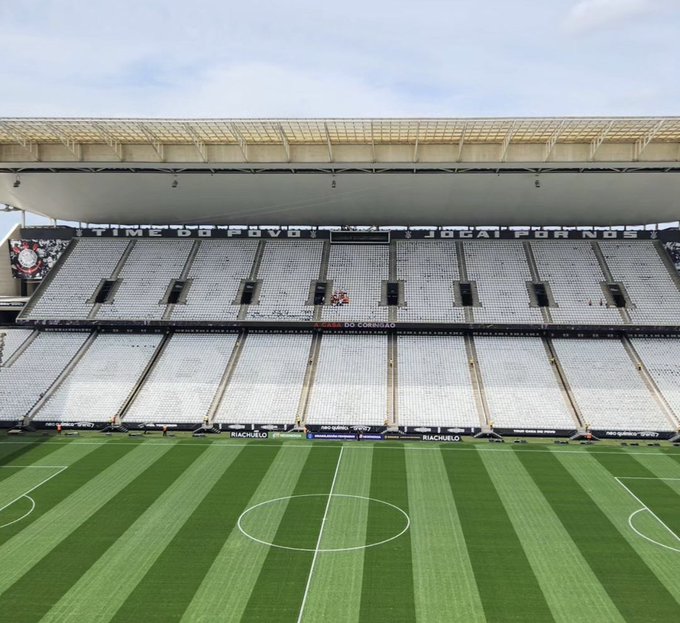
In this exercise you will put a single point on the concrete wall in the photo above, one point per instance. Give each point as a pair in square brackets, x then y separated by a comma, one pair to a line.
[8, 285]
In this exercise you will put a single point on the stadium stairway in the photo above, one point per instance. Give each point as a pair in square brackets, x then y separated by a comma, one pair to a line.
[462, 271]
[60, 379]
[564, 385]
[609, 277]
[17, 353]
[477, 384]
[650, 383]
[531, 261]
[257, 260]
[323, 277]
[392, 276]
[310, 373]
[158, 352]
[183, 275]
[114, 275]
[392, 415]
[226, 377]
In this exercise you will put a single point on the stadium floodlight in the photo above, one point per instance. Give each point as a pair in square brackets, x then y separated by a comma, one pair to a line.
[17, 182]
[175, 183]
[537, 182]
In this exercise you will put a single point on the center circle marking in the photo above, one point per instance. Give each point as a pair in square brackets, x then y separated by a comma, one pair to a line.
[324, 495]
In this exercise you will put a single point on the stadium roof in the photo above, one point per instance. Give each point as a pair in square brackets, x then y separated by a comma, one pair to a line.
[48, 158]
[549, 130]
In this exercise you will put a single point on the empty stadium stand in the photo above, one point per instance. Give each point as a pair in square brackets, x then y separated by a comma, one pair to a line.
[520, 384]
[434, 384]
[609, 389]
[214, 279]
[184, 381]
[429, 273]
[286, 273]
[26, 381]
[267, 382]
[350, 384]
[490, 368]
[562, 282]
[100, 382]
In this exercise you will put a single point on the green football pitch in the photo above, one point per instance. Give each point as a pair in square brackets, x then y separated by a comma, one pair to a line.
[181, 529]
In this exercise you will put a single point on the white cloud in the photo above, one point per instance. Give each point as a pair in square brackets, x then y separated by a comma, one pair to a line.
[589, 15]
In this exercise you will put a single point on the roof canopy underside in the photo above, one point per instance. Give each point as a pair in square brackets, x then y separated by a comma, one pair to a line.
[591, 171]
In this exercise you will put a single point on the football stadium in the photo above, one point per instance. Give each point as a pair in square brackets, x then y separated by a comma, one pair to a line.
[343, 369]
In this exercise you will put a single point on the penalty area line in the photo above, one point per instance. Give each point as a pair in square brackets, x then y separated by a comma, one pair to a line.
[649, 510]
[26, 493]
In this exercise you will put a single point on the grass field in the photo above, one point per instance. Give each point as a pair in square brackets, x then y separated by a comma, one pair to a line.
[208, 530]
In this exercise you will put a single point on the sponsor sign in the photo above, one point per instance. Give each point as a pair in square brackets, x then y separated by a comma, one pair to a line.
[447, 438]
[249, 434]
[291, 435]
[332, 436]
[632, 434]
[371, 437]
[78, 425]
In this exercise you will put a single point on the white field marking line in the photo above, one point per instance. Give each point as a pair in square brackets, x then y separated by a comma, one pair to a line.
[33, 466]
[644, 536]
[352, 444]
[649, 510]
[334, 549]
[318, 541]
[25, 493]
[28, 497]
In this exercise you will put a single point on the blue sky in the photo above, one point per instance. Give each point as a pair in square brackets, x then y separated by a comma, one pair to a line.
[211, 58]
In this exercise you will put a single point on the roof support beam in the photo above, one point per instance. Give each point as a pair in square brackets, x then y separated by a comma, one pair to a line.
[461, 142]
[598, 140]
[372, 144]
[328, 142]
[506, 142]
[198, 143]
[30, 146]
[284, 141]
[74, 147]
[110, 140]
[415, 146]
[552, 141]
[242, 143]
[642, 143]
[153, 141]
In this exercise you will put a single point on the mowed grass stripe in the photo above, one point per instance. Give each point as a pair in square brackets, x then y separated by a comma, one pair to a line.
[559, 565]
[26, 550]
[442, 571]
[125, 563]
[387, 592]
[176, 575]
[33, 468]
[78, 471]
[507, 584]
[226, 588]
[632, 586]
[658, 495]
[74, 556]
[283, 576]
[24, 542]
[23, 453]
[335, 588]
[617, 506]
